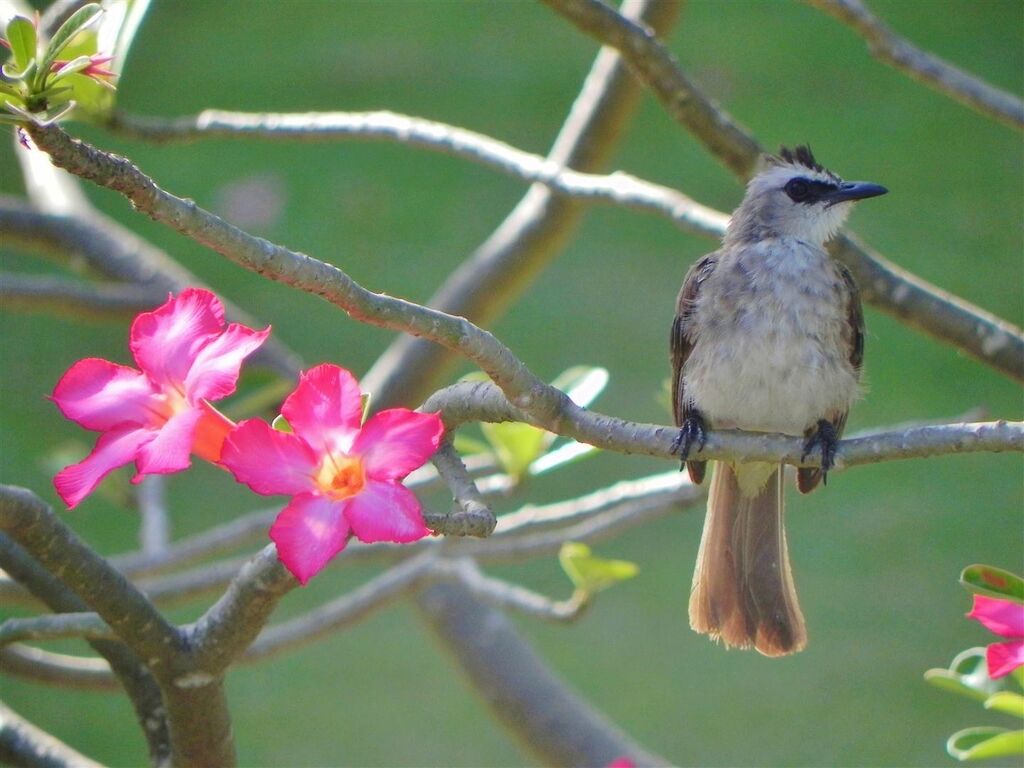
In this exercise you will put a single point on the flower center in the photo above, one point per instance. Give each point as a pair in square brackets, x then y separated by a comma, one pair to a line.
[341, 477]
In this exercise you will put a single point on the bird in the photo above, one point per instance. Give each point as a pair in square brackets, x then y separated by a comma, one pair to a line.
[768, 336]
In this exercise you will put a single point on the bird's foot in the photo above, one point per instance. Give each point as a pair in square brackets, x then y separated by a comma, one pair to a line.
[824, 439]
[691, 433]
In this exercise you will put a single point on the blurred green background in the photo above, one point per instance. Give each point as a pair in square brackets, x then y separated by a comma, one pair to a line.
[876, 554]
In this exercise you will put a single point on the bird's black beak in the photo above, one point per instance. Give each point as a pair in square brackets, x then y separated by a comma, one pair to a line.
[854, 190]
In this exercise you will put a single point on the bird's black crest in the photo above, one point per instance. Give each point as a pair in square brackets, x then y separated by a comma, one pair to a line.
[800, 155]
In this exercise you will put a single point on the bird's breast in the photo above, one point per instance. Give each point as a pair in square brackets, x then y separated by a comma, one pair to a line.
[769, 352]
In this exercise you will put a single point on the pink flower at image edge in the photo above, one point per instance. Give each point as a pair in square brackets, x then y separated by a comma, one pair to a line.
[158, 414]
[344, 477]
[1004, 618]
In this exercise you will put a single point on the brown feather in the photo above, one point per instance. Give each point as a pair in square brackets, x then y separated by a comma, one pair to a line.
[681, 342]
[743, 592]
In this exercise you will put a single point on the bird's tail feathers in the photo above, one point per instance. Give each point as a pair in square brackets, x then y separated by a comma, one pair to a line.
[743, 592]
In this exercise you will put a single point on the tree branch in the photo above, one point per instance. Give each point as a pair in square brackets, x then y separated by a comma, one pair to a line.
[533, 233]
[30, 522]
[136, 679]
[995, 342]
[343, 611]
[60, 296]
[617, 189]
[229, 626]
[24, 744]
[61, 670]
[502, 594]
[61, 625]
[939, 75]
[547, 717]
[474, 517]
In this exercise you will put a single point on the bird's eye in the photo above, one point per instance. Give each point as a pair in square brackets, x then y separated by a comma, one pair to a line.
[798, 190]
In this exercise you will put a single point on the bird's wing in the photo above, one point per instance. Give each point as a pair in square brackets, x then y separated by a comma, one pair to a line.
[683, 337]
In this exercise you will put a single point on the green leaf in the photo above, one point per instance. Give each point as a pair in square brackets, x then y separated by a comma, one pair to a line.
[76, 22]
[280, 423]
[967, 675]
[992, 581]
[1007, 702]
[516, 445]
[983, 742]
[559, 457]
[364, 406]
[592, 574]
[21, 34]
[582, 383]
[469, 446]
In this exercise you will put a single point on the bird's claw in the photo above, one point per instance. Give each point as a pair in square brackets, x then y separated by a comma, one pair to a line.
[691, 433]
[824, 439]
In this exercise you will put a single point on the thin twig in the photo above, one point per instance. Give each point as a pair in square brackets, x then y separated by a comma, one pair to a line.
[474, 517]
[60, 625]
[618, 188]
[58, 669]
[503, 594]
[343, 611]
[24, 744]
[57, 295]
[886, 46]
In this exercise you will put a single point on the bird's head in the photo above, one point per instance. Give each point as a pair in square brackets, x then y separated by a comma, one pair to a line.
[794, 196]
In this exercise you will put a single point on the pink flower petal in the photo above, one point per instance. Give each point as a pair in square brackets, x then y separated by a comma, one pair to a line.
[113, 449]
[1003, 617]
[393, 443]
[386, 511]
[269, 461]
[325, 408]
[308, 533]
[214, 373]
[1003, 658]
[171, 447]
[166, 341]
[98, 394]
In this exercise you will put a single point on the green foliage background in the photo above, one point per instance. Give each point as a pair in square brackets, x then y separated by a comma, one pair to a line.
[876, 554]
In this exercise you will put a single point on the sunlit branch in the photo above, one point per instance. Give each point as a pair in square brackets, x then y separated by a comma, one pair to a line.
[886, 46]
[24, 744]
[505, 595]
[618, 188]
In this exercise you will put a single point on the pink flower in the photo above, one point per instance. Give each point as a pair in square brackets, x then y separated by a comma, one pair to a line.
[158, 415]
[1006, 618]
[96, 69]
[343, 479]
[622, 762]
